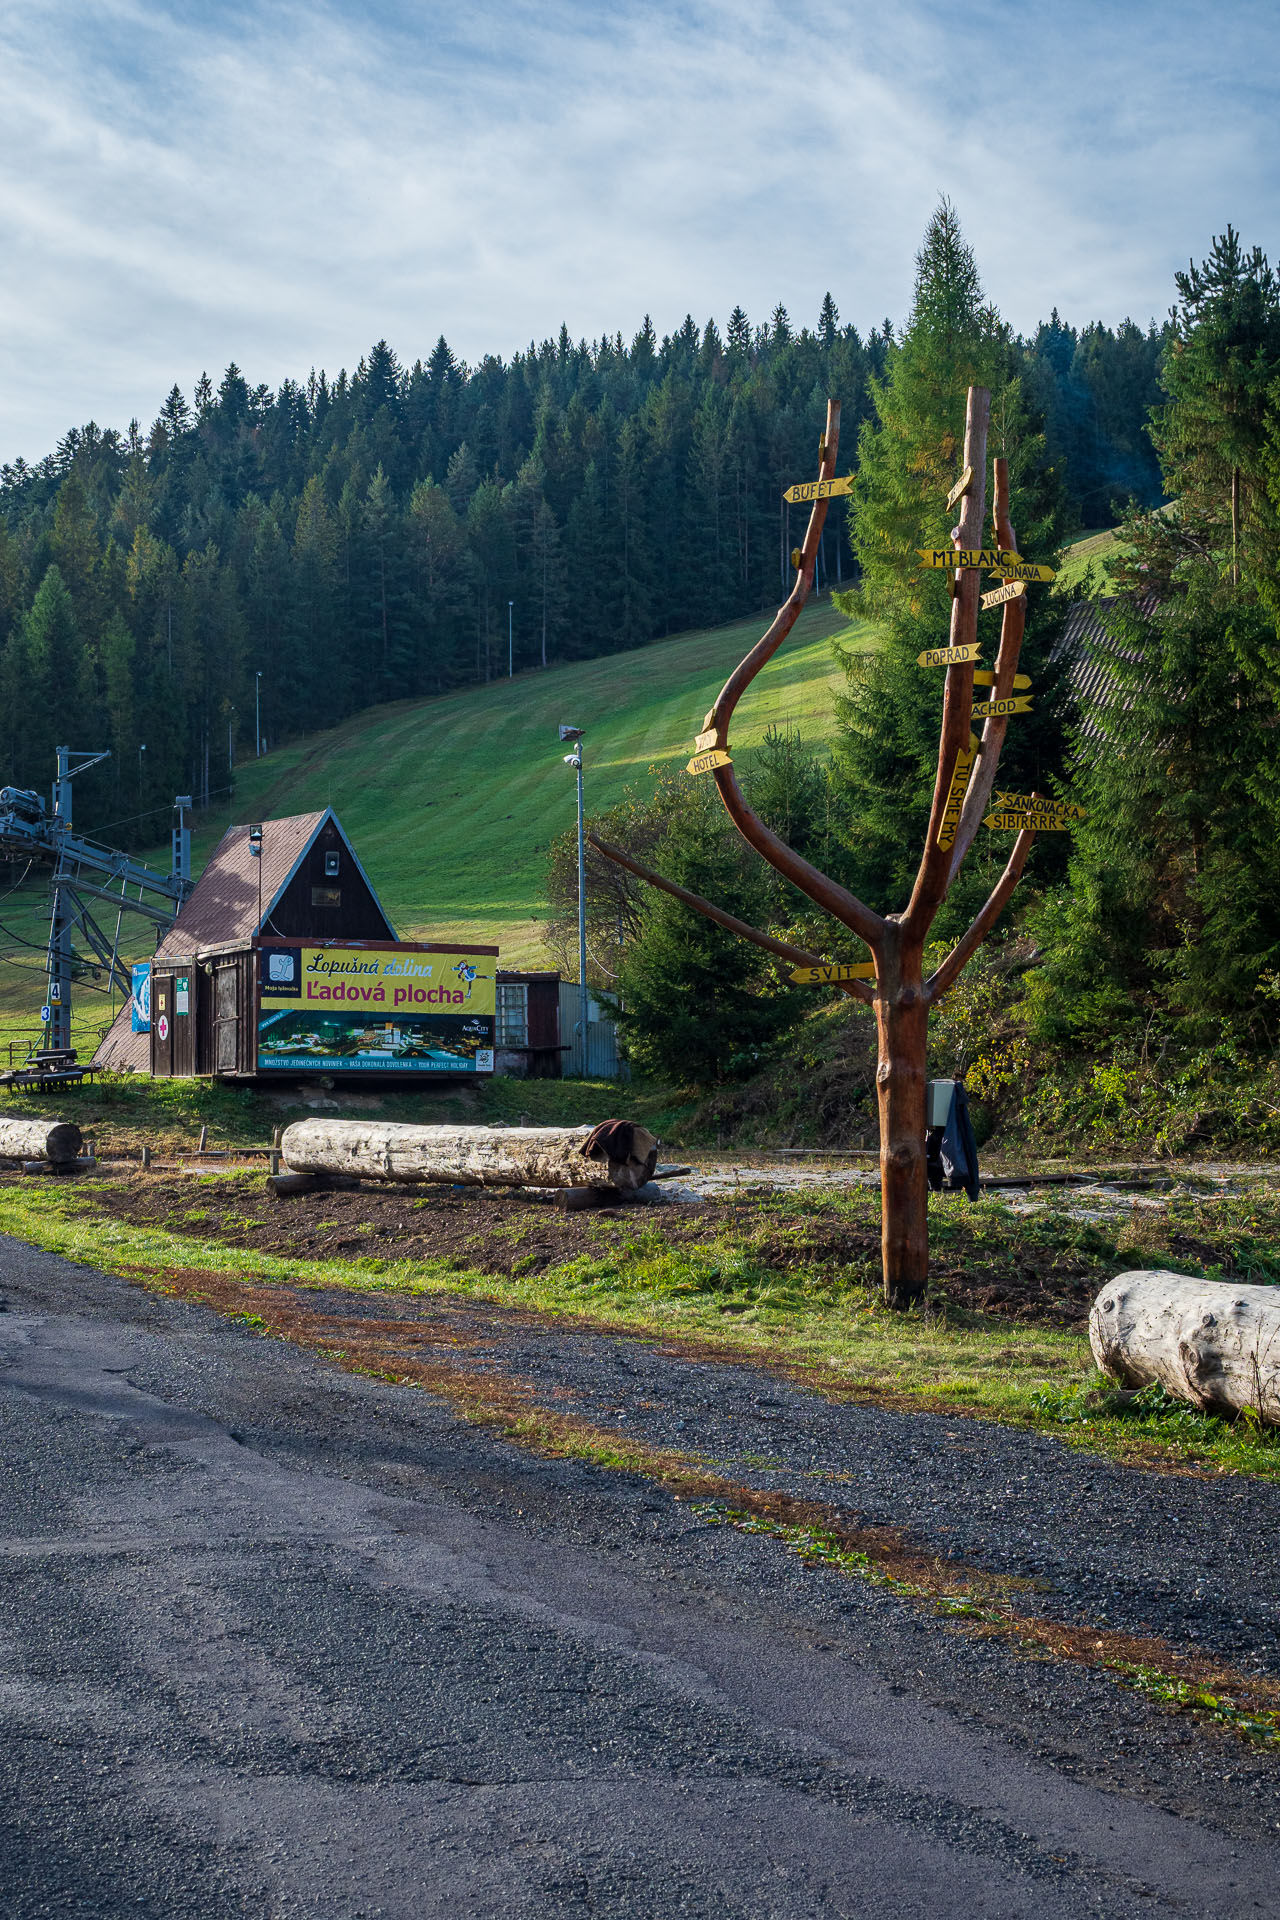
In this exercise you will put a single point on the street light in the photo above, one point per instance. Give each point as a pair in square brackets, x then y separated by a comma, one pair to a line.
[574, 760]
[257, 716]
[141, 750]
[510, 655]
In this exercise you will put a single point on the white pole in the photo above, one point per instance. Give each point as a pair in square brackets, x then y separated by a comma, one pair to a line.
[257, 716]
[510, 654]
[582, 926]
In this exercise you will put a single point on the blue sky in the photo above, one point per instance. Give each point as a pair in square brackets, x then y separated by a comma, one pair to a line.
[280, 185]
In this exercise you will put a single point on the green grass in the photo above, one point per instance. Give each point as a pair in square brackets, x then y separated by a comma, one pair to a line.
[451, 803]
[1097, 551]
[818, 1320]
[124, 1113]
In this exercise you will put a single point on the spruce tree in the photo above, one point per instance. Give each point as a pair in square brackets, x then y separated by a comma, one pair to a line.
[908, 459]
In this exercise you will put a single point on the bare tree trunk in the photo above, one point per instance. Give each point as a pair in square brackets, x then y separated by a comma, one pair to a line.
[902, 1028]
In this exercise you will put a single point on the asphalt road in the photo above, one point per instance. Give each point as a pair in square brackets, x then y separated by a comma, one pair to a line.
[279, 1641]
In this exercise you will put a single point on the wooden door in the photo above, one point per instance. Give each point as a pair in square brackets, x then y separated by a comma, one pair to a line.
[162, 1017]
[226, 1020]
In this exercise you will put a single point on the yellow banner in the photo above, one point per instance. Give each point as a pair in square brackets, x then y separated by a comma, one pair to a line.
[1010, 821]
[818, 489]
[1001, 559]
[985, 678]
[377, 982]
[1015, 569]
[1036, 803]
[956, 792]
[833, 975]
[997, 598]
[997, 709]
[948, 656]
[961, 487]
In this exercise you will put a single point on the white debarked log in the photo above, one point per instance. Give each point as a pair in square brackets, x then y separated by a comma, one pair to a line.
[617, 1153]
[57, 1141]
[1209, 1342]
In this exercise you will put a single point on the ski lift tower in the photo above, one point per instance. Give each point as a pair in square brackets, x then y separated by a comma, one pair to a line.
[84, 874]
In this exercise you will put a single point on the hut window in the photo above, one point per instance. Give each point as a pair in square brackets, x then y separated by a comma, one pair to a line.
[513, 1014]
[326, 896]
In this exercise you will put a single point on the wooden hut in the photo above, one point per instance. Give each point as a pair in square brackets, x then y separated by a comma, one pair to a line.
[283, 963]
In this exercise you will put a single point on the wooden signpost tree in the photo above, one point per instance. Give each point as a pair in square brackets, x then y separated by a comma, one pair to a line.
[893, 983]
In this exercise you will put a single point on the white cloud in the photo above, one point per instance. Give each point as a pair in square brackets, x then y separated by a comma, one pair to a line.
[281, 186]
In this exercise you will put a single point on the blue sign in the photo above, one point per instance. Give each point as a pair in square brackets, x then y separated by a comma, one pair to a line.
[140, 1005]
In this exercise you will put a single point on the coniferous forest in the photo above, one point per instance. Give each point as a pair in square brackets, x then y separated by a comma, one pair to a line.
[368, 536]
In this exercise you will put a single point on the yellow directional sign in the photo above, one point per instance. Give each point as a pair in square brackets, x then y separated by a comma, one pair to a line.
[1036, 803]
[707, 762]
[961, 487]
[818, 489]
[948, 656]
[711, 738]
[1015, 569]
[996, 709]
[955, 795]
[1000, 559]
[984, 677]
[1010, 820]
[832, 976]
[1014, 591]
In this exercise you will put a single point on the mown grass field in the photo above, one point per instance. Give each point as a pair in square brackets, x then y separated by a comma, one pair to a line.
[451, 803]
[1096, 551]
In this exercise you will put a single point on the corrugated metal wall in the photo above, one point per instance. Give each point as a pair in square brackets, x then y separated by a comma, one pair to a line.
[596, 1057]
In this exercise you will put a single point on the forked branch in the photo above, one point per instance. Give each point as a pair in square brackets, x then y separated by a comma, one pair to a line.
[784, 949]
[825, 892]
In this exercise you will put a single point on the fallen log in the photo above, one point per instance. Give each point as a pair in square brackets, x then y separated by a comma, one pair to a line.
[617, 1151]
[1209, 1342]
[57, 1141]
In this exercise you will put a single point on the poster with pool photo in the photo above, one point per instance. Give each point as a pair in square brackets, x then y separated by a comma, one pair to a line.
[375, 1009]
[350, 1041]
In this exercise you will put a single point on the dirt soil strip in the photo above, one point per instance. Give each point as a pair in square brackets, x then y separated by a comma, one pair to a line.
[1130, 1571]
[491, 1231]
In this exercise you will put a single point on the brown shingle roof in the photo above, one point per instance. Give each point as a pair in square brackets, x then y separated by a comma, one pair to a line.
[221, 910]
[224, 905]
[121, 1050]
[1091, 652]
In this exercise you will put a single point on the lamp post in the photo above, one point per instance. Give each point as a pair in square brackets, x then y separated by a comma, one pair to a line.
[574, 760]
[510, 653]
[141, 750]
[257, 716]
[255, 850]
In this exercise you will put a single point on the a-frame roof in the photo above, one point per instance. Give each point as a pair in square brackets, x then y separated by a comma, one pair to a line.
[223, 909]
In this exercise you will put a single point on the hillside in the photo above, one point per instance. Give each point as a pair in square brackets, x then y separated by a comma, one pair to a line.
[451, 802]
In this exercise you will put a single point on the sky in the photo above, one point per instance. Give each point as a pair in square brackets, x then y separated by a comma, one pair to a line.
[186, 185]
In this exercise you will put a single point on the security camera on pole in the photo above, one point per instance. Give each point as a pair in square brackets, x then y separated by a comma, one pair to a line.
[574, 760]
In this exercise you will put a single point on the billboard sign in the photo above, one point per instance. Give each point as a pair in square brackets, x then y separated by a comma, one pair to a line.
[140, 997]
[375, 1010]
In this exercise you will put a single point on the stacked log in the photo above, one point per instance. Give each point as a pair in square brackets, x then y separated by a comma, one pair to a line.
[1209, 1342]
[617, 1154]
[56, 1142]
